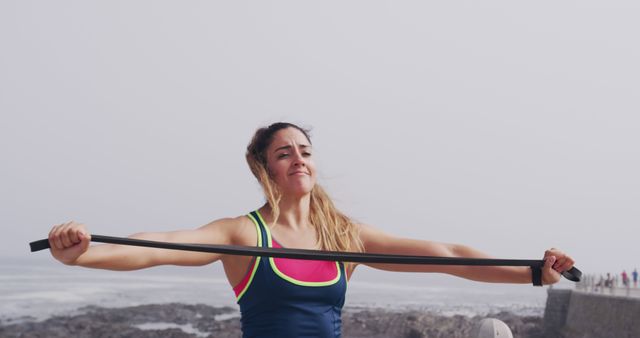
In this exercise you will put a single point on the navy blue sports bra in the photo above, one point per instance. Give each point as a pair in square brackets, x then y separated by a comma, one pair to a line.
[282, 297]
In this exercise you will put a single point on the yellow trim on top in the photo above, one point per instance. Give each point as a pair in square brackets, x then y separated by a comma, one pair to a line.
[256, 261]
[290, 279]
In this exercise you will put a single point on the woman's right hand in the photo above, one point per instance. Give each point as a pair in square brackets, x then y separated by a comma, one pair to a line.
[69, 241]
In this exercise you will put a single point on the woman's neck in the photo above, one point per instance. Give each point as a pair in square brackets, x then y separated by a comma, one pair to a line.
[294, 212]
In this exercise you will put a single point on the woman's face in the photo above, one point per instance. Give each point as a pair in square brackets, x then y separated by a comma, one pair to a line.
[290, 162]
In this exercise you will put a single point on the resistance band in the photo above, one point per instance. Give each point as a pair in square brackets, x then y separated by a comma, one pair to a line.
[572, 274]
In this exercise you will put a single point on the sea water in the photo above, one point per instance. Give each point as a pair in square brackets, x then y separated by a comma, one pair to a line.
[37, 289]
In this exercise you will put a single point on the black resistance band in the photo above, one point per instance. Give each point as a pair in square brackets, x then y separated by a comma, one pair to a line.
[572, 274]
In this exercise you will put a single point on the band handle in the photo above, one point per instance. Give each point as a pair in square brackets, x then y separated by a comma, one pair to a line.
[573, 274]
[39, 245]
[536, 275]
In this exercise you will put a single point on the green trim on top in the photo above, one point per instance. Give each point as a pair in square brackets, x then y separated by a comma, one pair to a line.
[290, 279]
[255, 262]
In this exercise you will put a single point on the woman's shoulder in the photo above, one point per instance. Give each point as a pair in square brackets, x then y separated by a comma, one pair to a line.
[240, 230]
[242, 220]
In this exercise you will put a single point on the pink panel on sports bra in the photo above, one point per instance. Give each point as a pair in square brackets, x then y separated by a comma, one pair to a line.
[306, 270]
[243, 283]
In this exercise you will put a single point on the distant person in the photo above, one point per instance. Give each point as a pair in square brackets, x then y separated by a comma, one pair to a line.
[600, 285]
[608, 283]
[634, 274]
[625, 278]
[289, 297]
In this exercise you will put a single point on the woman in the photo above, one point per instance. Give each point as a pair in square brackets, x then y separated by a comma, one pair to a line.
[286, 297]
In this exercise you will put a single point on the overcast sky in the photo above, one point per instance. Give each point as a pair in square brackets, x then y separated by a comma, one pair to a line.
[508, 126]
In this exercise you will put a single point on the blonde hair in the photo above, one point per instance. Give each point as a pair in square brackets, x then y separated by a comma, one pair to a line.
[335, 231]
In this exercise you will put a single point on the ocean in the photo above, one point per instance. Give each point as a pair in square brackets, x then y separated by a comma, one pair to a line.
[35, 289]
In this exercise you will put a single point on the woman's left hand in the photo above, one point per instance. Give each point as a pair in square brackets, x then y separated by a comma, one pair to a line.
[555, 262]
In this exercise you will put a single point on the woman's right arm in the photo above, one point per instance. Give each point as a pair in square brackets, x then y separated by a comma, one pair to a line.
[70, 245]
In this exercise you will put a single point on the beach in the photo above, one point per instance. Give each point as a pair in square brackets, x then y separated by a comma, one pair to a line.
[175, 320]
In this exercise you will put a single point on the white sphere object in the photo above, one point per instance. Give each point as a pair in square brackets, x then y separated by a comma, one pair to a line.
[492, 328]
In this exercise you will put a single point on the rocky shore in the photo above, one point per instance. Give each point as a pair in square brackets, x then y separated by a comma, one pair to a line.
[183, 320]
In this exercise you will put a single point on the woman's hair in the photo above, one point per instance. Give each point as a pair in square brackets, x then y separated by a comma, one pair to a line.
[335, 231]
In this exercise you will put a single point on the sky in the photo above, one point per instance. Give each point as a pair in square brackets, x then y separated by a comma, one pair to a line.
[511, 127]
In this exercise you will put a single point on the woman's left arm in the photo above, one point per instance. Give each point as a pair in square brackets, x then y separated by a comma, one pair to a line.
[376, 241]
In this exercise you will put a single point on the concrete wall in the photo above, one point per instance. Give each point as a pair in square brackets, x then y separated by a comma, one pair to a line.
[573, 314]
